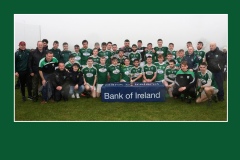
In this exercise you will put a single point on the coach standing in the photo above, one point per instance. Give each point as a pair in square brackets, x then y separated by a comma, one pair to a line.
[216, 61]
[33, 62]
[22, 71]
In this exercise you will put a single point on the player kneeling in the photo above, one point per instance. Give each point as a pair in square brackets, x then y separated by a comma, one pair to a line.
[207, 87]
[90, 77]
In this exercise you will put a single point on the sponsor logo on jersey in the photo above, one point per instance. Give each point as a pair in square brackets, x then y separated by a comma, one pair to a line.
[149, 72]
[86, 54]
[160, 71]
[126, 72]
[77, 58]
[116, 71]
[102, 70]
[89, 75]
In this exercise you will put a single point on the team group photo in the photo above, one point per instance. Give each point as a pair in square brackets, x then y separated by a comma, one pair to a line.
[141, 77]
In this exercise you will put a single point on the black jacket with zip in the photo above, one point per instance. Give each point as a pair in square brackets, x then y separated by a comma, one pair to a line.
[216, 60]
[34, 59]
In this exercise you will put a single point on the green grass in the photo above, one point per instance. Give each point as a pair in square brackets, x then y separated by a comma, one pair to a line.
[84, 109]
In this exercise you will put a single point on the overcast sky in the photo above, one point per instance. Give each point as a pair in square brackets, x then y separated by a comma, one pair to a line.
[73, 28]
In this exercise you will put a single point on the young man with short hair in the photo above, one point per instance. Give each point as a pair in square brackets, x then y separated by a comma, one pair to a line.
[161, 67]
[90, 77]
[69, 64]
[200, 53]
[109, 46]
[172, 51]
[114, 71]
[56, 51]
[169, 57]
[184, 83]
[114, 50]
[65, 53]
[97, 45]
[136, 70]
[95, 58]
[22, 70]
[45, 44]
[76, 81]
[160, 49]
[47, 66]
[206, 85]
[180, 57]
[149, 71]
[105, 53]
[169, 76]
[60, 83]
[134, 54]
[141, 50]
[125, 71]
[77, 53]
[120, 57]
[149, 52]
[85, 52]
[102, 74]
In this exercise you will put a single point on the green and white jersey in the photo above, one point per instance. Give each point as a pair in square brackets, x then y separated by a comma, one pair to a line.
[179, 60]
[114, 72]
[207, 78]
[174, 53]
[65, 55]
[120, 59]
[200, 55]
[125, 71]
[149, 70]
[96, 60]
[151, 54]
[136, 71]
[162, 50]
[134, 55]
[167, 62]
[48, 67]
[102, 74]
[170, 74]
[107, 54]
[114, 53]
[89, 74]
[68, 65]
[160, 70]
[85, 53]
[77, 57]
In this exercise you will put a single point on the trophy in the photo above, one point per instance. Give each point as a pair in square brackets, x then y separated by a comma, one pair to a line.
[131, 75]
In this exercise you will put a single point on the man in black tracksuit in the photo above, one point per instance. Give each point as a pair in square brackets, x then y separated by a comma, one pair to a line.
[216, 61]
[192, 60]
[184, 83]
[126, 49]
[141, 50]
[33, 63]
[60, 83]
[22, 71]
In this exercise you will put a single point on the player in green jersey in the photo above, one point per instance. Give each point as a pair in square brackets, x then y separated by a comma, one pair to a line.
[77, 53]
[90, 77]
[136, 70]
[114, 50]
[207, 86]
[149, 52]
[169, 57]
[85, 52]
[171, 50]
[134, 54]
[114, 71]
[160, 49]
[109, 46]
[105, 53]
[161, 66]
[200, 53]
[101, 74]
[95, 58]
[169, 76]
[56, 51]
[68, 64]
[65, 53]
[120, 57]
[149, 71]
[180, 57]
[125, 71]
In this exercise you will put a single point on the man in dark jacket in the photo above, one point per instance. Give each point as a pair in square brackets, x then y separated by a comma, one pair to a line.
[184, 83]
[45, 44]
[22, 71]
[216, 61]
[60, 83]
[33, 63]
[76, 81]
[192, 60]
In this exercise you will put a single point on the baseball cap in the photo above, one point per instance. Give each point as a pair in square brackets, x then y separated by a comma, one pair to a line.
[22, 43]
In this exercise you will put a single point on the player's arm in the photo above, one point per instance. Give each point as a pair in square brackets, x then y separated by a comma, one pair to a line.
[95, 80]
[155, 75]
[192, 80]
